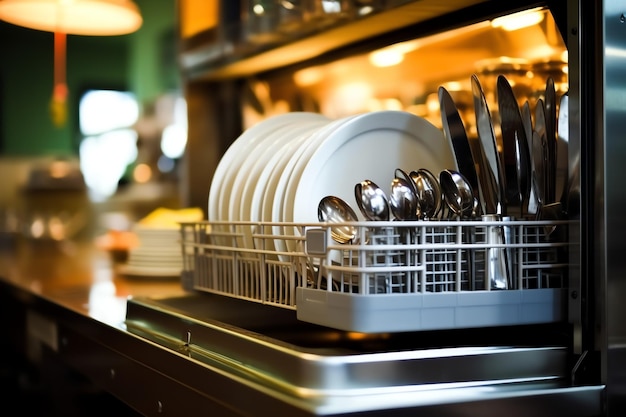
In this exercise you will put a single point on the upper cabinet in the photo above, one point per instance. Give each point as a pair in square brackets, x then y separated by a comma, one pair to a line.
[227, 39]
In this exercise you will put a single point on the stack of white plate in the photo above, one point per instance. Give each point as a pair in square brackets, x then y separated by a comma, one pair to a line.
[157, 255]
[279, 169]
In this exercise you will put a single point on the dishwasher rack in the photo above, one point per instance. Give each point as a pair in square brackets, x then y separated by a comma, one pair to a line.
[392, 276]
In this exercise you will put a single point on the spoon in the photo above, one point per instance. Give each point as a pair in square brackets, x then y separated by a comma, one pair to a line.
[461, 200]
[400, 173]
[458, 192]
[429, 193]
[333, 209]
[371, 201]
[403, 199]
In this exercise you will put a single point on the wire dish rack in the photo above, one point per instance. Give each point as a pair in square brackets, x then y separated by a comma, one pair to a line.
[392, 276]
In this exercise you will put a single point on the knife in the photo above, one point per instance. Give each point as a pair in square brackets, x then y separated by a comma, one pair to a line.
[562, 145]
[515, 152]
[454, 131]
[527, 120]
[538, 169]
[550, 120]
[491, 171]
[540, 155]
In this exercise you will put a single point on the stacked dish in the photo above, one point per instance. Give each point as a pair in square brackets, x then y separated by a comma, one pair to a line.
[158, 254]
[278, 170]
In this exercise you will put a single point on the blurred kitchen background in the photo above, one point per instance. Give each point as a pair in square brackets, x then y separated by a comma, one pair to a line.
[115, 156]
[117, 150]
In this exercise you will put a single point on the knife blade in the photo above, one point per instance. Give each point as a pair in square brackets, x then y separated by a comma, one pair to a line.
[514, 148]
[454, 131]
[527, 119]
[538, 169]
[491, 171]
[550, 120]
[562, 145]
[540, 128]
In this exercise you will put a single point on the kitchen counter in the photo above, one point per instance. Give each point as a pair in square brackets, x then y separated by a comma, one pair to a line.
[69, 299]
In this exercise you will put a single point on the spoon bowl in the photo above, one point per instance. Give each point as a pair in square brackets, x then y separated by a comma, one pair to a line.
[457, 192]
[403, 200]
[429, 193]
[333, 209]
[372, 201]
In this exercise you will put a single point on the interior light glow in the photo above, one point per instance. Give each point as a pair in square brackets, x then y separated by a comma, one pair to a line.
[308, 76]
[331, 6]
[142, 173]
[165, 164]
[174, 136]
[393, 54]
[386, 58]
[287, 5]
[104, 159]
[173, 140]
[37, 227]
[59, 169]
[258, 9]
[104, 110]
[454, 86]
[365, 10]
[383, 57]
[615, 52]
[57, 228]
[519, 20]
[432, 103]
[349, 99]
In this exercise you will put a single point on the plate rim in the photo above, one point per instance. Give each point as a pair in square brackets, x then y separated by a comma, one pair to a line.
[250, 135]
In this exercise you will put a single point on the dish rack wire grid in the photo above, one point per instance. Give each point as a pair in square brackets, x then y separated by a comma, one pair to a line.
[265, 262]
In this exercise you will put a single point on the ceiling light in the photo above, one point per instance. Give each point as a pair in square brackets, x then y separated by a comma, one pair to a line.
[74, 17]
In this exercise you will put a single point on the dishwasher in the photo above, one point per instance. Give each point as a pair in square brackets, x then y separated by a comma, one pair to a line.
[482, 311]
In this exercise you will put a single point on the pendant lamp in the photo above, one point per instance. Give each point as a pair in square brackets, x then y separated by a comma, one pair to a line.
[73, 17]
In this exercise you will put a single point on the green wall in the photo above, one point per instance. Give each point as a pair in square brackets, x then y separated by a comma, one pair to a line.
[143, 62]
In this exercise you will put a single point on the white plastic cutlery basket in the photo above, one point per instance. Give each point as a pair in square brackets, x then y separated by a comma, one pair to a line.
[392, 276]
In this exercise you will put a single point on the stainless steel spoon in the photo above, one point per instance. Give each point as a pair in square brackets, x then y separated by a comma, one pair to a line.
[333, 209]
[372, 201]
[400, 173]
[429, 193]
[403, 199]
[460, 198]
[458, 192]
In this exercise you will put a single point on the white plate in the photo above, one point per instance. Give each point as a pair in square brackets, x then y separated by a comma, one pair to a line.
[292, 184]
[370, 146]
[242, 187]
[269, 187]
[229, 163]
[251, 169]
[272, 158]
[246, 179]
[286, 177]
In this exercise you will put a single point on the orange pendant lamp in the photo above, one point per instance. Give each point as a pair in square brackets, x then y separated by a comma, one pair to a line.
[73, 17]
